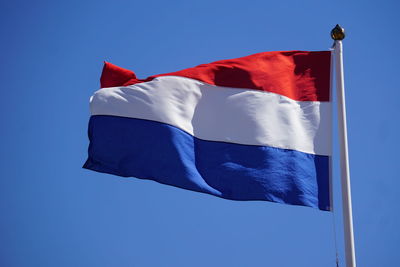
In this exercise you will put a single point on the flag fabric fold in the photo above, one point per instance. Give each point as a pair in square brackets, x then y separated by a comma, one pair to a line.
[251, 128]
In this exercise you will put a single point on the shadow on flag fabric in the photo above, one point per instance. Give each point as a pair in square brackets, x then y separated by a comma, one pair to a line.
[250, 128]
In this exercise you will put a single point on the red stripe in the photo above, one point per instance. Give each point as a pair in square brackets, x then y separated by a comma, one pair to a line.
[299, 75]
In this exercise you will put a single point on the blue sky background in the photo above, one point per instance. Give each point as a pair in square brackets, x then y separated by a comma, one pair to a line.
[54, 213]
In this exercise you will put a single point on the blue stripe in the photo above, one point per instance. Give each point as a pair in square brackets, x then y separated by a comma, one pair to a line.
[156, 151]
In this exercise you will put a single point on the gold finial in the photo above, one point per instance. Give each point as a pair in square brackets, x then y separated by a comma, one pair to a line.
[337, 33]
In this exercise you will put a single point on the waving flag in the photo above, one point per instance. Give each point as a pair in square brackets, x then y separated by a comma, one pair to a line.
[251, 128]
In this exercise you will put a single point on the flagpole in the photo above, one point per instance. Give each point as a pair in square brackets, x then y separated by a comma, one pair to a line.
[338, 35]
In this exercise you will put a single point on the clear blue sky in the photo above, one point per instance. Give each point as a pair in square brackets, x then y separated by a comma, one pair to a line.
[54, 213]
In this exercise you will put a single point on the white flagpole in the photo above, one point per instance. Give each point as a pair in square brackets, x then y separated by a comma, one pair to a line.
[338, 35]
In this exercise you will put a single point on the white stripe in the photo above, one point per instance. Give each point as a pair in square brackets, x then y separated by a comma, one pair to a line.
[215, 113]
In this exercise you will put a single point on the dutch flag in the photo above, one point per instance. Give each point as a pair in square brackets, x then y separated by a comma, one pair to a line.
[250, 128]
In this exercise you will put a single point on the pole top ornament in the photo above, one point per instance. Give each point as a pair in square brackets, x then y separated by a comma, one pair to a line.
[337, 33]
